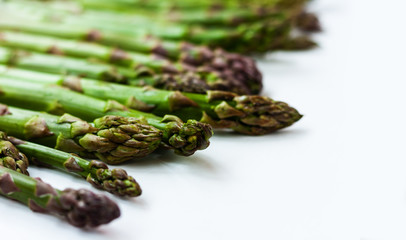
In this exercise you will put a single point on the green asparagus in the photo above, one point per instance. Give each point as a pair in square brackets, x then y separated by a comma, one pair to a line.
[115, 181]
[209, 17]
[81, 208]
[257, 36]
[104, 72]
[184, 138]
[227, 71]
[205, 13]
[252, 115]
[208, 13]
[188, 4]
[110, 138]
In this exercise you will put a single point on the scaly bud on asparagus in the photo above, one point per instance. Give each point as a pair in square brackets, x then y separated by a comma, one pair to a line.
[80, 208]
[253, 115]
[115, 181]
[10, 157]
[184, 138]
[259, 36]
[112, 139]
[216, 70]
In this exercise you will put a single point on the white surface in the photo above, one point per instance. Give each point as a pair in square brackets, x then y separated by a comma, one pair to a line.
[340, 173]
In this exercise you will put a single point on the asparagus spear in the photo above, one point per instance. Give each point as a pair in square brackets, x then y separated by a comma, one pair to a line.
[115, 181]
[112, 139]
[13, 154]
[184, 138]
[212, 16]
[57, 64]
[204, 12]
[104, 72]
[252, 115]
[81, 208]
[257, 36]
[189, 4]
[10, 157]
[227, 71]
[207, 13]
[174, 4]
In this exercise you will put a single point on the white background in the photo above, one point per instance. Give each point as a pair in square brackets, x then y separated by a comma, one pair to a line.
[340, 173]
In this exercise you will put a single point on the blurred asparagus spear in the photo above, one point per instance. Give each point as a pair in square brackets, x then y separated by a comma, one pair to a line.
[227, 71]
[254, 115]
[112, 139]
[115, 181]
[81, 208]
[184, 138]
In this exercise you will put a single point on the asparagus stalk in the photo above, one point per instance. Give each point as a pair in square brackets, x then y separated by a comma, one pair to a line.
[13, 154]
[184, 138]
[188, 4]
[105, 72]
[10, 157]
[174, 4]
[57, 64]
[254, 115]
[258, 36]
[115, 181]
[227, 71]
[214, 16]
[208, 13]
[112, 139]
[81, 208]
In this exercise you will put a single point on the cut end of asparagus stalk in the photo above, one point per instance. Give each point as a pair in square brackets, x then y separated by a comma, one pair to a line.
[253, 115]
[186, 138]
[115, 181]
[10, 157]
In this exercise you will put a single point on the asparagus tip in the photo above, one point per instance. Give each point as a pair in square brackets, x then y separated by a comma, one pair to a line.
[83, 208]
[187, 138]
[10, 157]
[115, 181]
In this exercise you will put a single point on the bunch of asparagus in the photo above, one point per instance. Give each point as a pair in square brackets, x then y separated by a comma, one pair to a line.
[249, 27]
[253, 115]
[228, 71]
[151, 47]
[117, 80]
[81, 208]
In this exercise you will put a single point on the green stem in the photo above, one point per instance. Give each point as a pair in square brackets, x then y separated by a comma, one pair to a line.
[246, 114]
[111, 139]
[257, 36]
[115, 181]
[81, 208]
[230, 71]
[184, 138]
